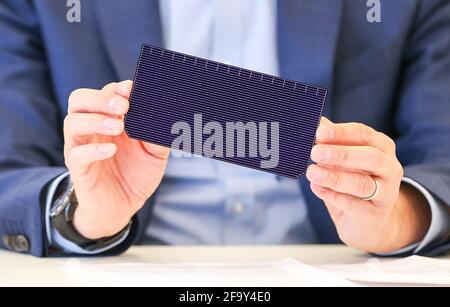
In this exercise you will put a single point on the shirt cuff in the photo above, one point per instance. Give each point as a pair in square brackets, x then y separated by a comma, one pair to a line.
[439, 226]
[54, 237]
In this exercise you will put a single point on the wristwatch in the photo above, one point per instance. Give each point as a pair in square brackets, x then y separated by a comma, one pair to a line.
[62, 214]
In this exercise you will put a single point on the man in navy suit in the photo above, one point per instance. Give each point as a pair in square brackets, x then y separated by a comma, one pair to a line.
[72, 182]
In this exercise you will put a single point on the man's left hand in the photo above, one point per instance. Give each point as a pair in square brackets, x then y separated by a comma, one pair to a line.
[356, 163]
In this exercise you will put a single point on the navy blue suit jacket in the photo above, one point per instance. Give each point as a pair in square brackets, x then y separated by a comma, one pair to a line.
[393, 76]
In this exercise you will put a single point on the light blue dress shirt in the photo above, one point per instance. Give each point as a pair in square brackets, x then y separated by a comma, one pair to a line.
[203, 201]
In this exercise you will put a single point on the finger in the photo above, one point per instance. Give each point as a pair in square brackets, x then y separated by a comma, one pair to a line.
[360, 158]
[94, 101]
[124, 89]
[335, 213]
[77, 124]
[353, 207]
[354, 134]
[157, 151]
[81, 157]
[356, 184]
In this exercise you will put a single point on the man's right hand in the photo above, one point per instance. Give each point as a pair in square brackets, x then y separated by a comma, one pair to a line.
[113, 175]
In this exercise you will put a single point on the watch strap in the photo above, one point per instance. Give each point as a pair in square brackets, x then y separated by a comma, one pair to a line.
[67, 231]
[62, 220]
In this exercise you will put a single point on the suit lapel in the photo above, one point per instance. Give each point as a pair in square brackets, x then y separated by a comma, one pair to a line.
[308, 31]
[124, 27]
[307, 36]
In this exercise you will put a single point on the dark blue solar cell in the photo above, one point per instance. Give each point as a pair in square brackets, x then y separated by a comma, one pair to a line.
[223, 105]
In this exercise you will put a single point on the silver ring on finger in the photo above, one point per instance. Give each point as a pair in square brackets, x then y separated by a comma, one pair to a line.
[375, 193]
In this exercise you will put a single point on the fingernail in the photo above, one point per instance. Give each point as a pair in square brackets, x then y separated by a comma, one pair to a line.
[325, 133]
[113, 125]
[116, 105]
[107, 148]
[123, 88]
[319, 188]
[319, 174]
[321, 154]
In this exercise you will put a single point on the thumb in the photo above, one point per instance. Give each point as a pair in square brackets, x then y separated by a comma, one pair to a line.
[157, 151]
[124, 88]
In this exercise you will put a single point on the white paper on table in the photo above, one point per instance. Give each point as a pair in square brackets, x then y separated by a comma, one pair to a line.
[287, 272]
[413, 270]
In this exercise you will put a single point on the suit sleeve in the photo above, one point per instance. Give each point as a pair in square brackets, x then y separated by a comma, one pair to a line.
[423, 114]
[31, 142]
